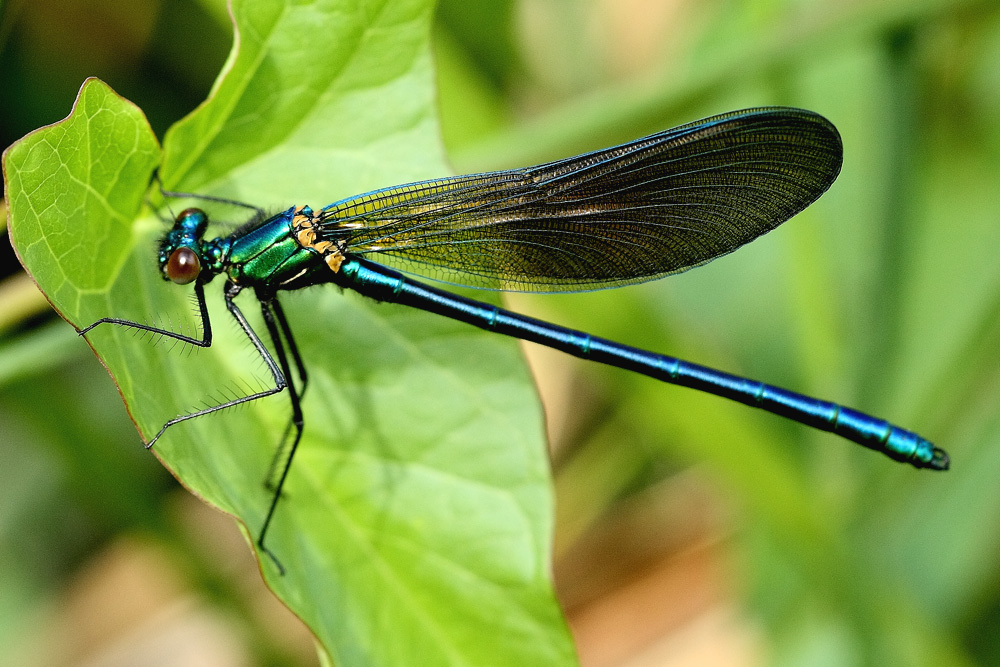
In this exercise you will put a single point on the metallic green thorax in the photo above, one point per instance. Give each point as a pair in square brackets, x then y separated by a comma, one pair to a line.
[269, 258]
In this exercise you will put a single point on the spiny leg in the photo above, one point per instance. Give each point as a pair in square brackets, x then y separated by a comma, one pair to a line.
[286, 331]
[271, 312]
[280, 383]
[206, 323]
[206, 341]
[279, 454]
[279, 379]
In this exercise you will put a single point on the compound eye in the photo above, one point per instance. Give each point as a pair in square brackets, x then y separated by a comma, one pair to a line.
[183, 266]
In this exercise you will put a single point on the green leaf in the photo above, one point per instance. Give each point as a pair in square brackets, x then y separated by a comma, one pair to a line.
[415, 524]
[73, 190]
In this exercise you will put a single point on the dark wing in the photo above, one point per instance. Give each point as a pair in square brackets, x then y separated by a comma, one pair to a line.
[642, 210]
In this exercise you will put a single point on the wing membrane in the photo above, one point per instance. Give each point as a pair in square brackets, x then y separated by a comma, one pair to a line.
[626, 214]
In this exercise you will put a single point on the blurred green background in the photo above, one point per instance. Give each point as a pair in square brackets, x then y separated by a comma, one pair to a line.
[690, 531]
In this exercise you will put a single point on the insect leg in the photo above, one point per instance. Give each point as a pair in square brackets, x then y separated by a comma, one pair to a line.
[279, 378]
[292, 347]
[206, 323]
[279, 454]
[275, 317]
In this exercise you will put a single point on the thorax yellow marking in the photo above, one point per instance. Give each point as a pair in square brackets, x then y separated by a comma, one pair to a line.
[304, 229]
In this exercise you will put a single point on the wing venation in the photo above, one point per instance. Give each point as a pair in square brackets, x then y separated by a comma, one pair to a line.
[655, 206]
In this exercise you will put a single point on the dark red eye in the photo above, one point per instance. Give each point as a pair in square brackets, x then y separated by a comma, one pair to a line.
[183, 266]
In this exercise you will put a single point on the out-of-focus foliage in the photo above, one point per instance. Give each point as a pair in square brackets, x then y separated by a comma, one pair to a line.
[674, 508]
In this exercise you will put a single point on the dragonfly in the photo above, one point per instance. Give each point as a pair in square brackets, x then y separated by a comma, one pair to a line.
[627, 214]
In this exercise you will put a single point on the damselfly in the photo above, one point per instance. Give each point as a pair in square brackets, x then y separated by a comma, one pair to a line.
[649, 208]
